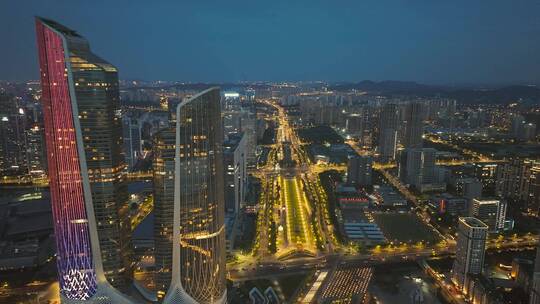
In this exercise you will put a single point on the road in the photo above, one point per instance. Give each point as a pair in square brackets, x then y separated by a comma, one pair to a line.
[143, 210]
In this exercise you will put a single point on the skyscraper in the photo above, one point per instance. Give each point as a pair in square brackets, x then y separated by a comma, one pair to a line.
[388, 126]
[520, 179]
[87, 184]
[417, 166]
[198, 265]
[413, 127]
[13, 158]
[163, 170]
[234, 156]
[132, 139]
[470, 250]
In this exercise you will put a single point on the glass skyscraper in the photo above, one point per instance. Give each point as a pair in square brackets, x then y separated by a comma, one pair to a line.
[198, 247]
[81, 109]
[163, 168]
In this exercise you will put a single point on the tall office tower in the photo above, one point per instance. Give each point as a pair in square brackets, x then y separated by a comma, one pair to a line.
[12, 138]
[87, 184]
[35, 141]
[249, 128]
[534, 297]
[520, 180]
[132, 140]
[198, 267]
[414, 126]
[388, 126]
[417, 167]
[234, 156]
[470, 250]
[359, 169]
[164, 166]
[491, 212]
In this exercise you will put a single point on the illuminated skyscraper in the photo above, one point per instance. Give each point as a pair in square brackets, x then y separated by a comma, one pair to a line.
[87, 184]
[470, 250]
[198, 247]
[414, 128]
[164, 150]
[388, 127]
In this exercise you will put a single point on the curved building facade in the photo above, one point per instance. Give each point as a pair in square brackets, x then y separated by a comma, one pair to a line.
[87, 184]
[198, 264]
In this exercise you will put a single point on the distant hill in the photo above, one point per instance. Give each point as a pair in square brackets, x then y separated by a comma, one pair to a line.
[500, 95]
[387, 86]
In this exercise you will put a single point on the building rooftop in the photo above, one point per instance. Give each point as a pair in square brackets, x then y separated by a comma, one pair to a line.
[59, 27]
[473, 222]
[232, 141]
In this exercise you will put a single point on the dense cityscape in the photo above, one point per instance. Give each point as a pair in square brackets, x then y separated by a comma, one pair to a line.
[119, 190]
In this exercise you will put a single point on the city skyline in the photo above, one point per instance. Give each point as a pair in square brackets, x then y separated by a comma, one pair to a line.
[433, 43]
[231, 191]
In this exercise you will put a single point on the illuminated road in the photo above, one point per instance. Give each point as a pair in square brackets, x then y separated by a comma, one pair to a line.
[387, 254]
[297, 213]
[144, 209]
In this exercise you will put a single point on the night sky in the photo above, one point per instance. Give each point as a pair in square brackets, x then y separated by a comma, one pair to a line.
[429, 41]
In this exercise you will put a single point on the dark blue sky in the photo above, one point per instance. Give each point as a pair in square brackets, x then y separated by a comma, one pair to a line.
[429, 41]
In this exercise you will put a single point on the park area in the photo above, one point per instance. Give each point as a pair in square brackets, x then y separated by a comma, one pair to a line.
[404, 228]
[297, 219]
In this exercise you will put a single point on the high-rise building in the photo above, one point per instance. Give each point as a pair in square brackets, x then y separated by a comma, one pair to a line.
[81, 109]
[198, 264]
[359, 170]
[487, 174]
[417, 167]
[35, 141]
[519, 180]
[239, 116]
[534, 297]
[414, 125]
[132, 140]
[388, 127]
[490, 212]
[13, 159]
[163, 177]
[234, 156]
[470, 250]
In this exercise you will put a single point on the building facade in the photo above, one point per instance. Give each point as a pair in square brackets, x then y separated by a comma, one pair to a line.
[198, 266]
[490, 212]
[417, 167]
[164, 149]
[519, 180]
[388, 127]
[86, 167]
[414, 128]
[234, 156]
[470, 250]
